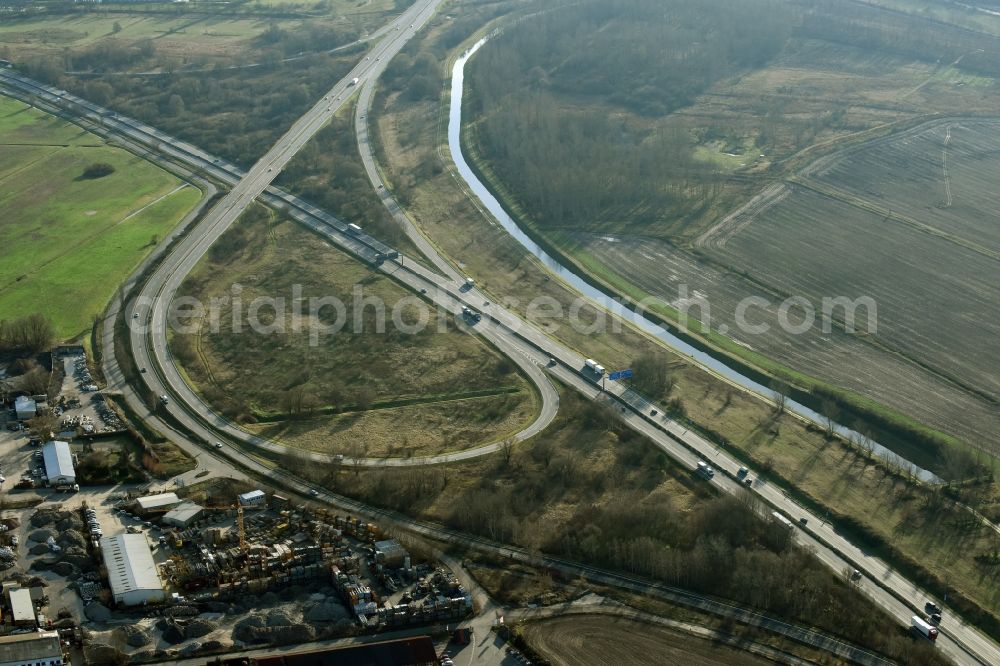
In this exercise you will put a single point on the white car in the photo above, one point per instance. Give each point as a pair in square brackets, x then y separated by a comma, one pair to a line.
[314, 492]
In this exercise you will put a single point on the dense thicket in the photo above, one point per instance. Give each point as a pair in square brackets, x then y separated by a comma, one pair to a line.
[543, 88]
[32, 333]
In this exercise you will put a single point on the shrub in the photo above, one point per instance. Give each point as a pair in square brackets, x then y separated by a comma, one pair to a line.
[98, 170]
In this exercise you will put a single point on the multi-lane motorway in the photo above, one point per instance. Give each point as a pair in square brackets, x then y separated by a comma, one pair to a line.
[525, 344]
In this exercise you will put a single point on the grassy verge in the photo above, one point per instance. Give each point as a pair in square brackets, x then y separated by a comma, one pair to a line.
[71, 240]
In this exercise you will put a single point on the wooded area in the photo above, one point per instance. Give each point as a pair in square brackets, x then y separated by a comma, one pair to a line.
[554, 94]
[566, 109]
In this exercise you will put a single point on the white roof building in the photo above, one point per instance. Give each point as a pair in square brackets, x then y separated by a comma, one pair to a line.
[253, 498]
[132, 572]
[22, 609]
[25, 408]
[58, 463]
[183, 515]
[40, 647]
[160, 502]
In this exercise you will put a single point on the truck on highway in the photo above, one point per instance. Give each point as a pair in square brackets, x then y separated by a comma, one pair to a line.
[784, 522]
[924, 628]
[705, 470]
[470, 314]
[353, 229]
[594, 367]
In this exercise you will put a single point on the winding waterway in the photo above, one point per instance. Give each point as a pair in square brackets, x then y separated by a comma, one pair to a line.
[604, 300]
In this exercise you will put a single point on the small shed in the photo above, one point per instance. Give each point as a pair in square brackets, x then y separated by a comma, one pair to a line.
[254, 498]
[183, 515]
[25, 408]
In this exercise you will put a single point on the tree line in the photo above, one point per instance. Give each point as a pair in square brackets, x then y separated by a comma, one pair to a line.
[33, 333]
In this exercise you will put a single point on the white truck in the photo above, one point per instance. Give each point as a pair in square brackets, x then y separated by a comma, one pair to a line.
[594, 367]
[353, 229]
[924, 628]
[355, 81]
[784, 522]
[705, 470]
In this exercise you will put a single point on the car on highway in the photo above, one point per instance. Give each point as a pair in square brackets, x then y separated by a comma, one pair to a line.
[314, 492]
[803, 521]
[930, 608]
[218, 445]
[135, 315]
[653, 412]
[164, 399]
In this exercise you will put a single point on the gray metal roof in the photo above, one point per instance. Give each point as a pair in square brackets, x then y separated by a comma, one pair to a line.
[183, 513]
[160, 501]
[58, 459]
[35, 646]
[129, 563]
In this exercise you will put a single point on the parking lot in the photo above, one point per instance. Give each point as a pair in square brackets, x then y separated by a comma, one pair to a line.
[80, 405]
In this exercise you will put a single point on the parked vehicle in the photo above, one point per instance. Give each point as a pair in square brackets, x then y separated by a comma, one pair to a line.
[924, 628]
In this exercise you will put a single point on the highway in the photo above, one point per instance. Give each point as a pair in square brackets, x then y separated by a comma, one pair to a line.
[528, 346]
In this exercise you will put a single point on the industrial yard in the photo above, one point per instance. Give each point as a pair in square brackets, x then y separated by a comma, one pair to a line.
[128, 568]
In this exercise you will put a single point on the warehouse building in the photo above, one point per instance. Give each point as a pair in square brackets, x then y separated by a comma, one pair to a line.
[25, 408]
[58, 463]
[22, 610]
[156, 503]
[131, 570]
[182, 515]
[31, 649]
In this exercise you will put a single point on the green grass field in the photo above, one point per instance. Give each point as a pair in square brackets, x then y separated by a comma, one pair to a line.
[68, 241]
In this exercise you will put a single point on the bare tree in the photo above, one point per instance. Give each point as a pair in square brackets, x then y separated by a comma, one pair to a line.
[830, 414]
[507, 450]
[779, 391]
